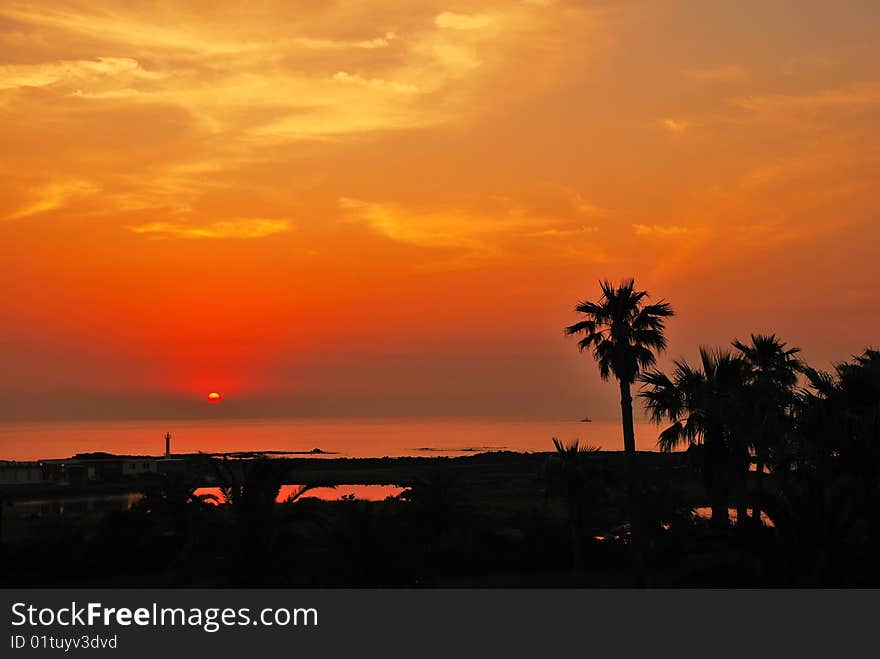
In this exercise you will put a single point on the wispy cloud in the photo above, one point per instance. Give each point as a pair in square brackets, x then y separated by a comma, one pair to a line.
[339, 44]
[240, 228]
[376, 83]
[453, 21]
[193, 66]
[53, 196]
[857, 95]
[562, 233]
[676, 126]
[586, 207]
[666, 230]
[482, 231]
[185, 85]
[73, 72]
[735, 74]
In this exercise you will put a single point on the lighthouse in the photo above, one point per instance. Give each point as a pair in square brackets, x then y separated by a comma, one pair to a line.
[167, 444]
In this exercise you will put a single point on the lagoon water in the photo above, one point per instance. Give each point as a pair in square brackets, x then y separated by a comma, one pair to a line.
[104, 503]
[370, 437]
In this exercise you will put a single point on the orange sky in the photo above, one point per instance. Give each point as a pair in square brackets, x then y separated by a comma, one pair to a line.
[391, 207]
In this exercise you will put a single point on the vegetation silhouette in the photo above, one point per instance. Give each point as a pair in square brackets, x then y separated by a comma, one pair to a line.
[792, 450]
[705, 406]
[827, 475]
[772, 378]
[576, 477]
[624, 334]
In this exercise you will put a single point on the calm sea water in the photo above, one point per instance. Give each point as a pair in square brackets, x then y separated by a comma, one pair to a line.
[104, 503]
[348, 437]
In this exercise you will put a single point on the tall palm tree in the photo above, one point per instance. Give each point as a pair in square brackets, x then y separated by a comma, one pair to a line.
[250, 487]
[624, 334]
[773, 375]
[827, 492]
[705, 406]
[574, 480]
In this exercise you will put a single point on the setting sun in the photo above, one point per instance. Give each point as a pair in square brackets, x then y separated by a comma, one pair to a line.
[213, 397]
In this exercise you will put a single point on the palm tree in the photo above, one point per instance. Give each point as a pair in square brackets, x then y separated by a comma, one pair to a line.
[625, 334]
[251, 487]
[575, 493]
[827, 490]
[705, 407]
[438, 498]
[773, 376]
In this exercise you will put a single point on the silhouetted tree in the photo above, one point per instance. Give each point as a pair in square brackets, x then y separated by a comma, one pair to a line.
[251, 489]
[574, 479]
[624, 334]
[704, 405]
[437, 499]
[827, 493]
[773, 371]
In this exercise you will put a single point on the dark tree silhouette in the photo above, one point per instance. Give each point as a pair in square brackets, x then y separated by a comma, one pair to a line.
[705, 407]
[575, 482]
[827, 487]
[773, 376]
[624, 335]
[250, 487]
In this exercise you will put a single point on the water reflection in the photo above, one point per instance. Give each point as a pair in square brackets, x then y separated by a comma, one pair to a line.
[338, 493]
[81, 505]
[704, 512]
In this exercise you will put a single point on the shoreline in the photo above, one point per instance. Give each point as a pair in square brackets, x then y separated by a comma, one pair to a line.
[312, 468]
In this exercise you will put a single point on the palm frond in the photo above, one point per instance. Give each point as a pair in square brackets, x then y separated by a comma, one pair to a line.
[588, 326]
[624, 334]
[672, 437]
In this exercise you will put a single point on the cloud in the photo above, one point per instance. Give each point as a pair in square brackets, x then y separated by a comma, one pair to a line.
[376, 83]
[240, 228]
[168, 109]
[562, 233]
[665, 230]
[483, 231]
[426, 229]
[54, 195]
[115, 26]
[291, 86]
[857, 95]
[13, 76]
[334, 44]
[452, 21]
[586, 207]
[675, 125]
[719, 74]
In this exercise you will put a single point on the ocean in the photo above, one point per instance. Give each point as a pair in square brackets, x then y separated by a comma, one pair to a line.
[354, 438]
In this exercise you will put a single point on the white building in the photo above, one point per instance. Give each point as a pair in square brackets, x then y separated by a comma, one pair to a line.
[12, 473]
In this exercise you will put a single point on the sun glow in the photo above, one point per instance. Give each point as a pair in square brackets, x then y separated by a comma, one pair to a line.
[213, 397]
[196, 200]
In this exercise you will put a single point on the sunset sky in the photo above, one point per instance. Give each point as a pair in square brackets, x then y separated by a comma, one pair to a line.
[391, 208]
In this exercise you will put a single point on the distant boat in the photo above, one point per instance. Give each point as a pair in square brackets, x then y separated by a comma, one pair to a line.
[586, 419]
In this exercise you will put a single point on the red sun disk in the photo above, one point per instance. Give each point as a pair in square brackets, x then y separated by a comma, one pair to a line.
[213, 397]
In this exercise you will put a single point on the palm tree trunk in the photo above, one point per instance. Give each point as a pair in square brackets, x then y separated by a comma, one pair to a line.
[720, 516]
[761, 458]
[742, 494]
[629, 447]
[742, 511]
[759, 489]
[715, 468]
[574, 523]
[629, 434]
